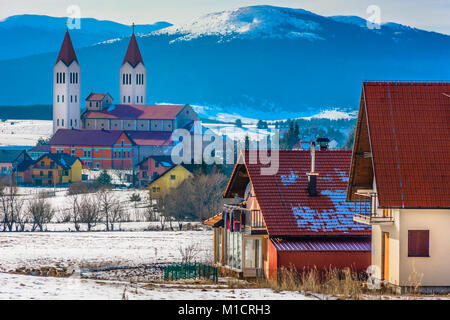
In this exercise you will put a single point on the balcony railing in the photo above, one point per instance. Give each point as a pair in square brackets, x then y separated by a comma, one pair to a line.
[252, 219]
[366, 210]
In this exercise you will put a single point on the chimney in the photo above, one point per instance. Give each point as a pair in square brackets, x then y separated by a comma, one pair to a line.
[323, 143]
[312, 176]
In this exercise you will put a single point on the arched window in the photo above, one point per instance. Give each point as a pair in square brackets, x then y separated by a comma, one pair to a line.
[62, 122]
[57, 98]
[57, 122]
[128, 99]
[123, 99]
[64, 77]
[62, 97]
[123, 78]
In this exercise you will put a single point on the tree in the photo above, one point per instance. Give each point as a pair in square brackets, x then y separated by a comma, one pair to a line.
[106, 202]
[40, 212]
[350, 140]
[89, 211]
[11, 206]
[104, 179]
[238, 123]
[42, 141]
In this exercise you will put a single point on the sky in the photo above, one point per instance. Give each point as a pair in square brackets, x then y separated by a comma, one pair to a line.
[432, 15]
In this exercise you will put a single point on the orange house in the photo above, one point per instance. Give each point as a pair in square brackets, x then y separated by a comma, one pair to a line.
[297, 217]
[53, 169]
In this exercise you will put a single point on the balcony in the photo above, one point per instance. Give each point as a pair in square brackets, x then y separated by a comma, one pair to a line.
[253, 221]
[366, 211]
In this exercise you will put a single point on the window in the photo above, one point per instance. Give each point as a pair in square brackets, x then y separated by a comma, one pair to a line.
[42, 163]
[123, 78]
[57, 122]
[62, 122]
[70, 122]
[62, 97]
[57, 98]
[128, 99]
[64, 77]
[155, 189]
[71, 98]
[123, 99]
[418, 243]
[75, 98]
[172, 177]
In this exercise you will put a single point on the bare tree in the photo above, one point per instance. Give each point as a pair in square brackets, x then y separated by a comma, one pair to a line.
[116, 213]
[106, 202]
[150, 210]
[10, 206]
[89, 211]
[189, 253]
[74, 205]
[40, 212]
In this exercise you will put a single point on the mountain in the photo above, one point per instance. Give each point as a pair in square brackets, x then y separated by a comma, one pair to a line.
[258, 62]
[25, 35]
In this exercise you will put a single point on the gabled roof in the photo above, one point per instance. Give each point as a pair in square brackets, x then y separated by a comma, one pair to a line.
[213, 221]
[165, 161]
[67, 52]
[127, 111]
[185, 167]
[41, 148]
[85, 137]
[24, 165]
[9, 155]
[133, 54]
[286, 206]
[406, 128]
[150, 138]
[63, 159]
[97, 96]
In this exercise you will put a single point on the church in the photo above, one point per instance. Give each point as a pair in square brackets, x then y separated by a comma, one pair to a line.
[106, 135]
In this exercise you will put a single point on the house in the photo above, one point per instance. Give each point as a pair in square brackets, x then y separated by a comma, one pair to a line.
[152, 167]
[297, 217]
[24, 172]
[10, 159]
[100, 149]
[56, 168]
[98, 101]
[172, 178]
[39, 150]
[400, 178]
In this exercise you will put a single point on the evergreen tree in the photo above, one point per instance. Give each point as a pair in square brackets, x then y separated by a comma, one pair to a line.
[104, 179]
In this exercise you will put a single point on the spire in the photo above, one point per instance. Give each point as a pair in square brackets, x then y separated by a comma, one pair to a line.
[133, 55]
[67, 52]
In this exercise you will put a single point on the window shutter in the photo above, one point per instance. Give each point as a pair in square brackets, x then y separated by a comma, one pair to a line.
[418, 243]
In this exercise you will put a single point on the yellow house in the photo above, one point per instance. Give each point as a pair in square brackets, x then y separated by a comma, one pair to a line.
[56, 168]
[168, 180]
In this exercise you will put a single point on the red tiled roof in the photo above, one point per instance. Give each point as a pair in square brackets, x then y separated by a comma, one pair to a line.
[96, 96]
[287, 208]
[150, 138]
[85, 137]
[67, 52]
[133, 55]
[126, 111]
[409, 128]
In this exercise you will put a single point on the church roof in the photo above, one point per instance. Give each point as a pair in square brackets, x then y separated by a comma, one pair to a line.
[67, 52]
[133, 55]
[146, 112]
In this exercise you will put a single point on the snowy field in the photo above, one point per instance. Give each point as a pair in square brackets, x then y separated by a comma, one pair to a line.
[24, 132]
[98, 249]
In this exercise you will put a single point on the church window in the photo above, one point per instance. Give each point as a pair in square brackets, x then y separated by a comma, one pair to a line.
[70, 122]
[123, 99]
[75, 122]
[70, 77]
[71, 98]
[128, 99]
[64, 77]
[62, 122]
[62, 97]
[57, 77]
[57, 122]
[75, 98]
[123, 78]
[57, 98]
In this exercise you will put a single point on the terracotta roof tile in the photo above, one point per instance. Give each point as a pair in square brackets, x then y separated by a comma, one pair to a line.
[287, 208]
[409, 126]
[127, 111]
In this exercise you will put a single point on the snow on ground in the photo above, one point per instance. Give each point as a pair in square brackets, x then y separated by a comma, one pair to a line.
[98, 249]
[24, 132]
[61, 202]
[25, 287]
